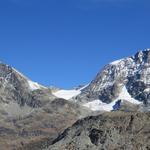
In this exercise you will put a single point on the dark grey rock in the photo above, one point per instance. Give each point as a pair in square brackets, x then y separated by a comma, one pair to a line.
[113, 131]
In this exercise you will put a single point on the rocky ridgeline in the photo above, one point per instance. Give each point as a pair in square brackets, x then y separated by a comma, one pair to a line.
[15, 87]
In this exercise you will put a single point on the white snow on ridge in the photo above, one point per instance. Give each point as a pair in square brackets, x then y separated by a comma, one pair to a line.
[116, 62]
[32, 85]
[68, 94]
[19, 73]
[84, 87]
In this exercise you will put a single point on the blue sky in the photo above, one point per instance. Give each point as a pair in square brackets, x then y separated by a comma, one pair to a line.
[66, 42]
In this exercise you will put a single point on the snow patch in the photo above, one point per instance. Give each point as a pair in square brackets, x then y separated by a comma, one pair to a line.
[147, 90]
[82, 88]
[124, 95]
[20, 73]
[98, 105]
[67, 94]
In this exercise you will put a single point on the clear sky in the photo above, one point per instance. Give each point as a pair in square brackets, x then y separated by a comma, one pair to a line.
[66, 42]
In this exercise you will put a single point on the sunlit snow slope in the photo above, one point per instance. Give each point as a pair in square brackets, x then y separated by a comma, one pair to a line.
[68, 94]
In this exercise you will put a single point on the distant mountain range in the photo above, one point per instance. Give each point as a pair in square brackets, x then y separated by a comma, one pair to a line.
[32, 116]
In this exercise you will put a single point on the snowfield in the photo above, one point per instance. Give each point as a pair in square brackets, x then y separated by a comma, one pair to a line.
[98, 105]
[68, 94]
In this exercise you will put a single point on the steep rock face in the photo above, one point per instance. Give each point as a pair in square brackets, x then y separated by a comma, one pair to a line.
[12, 85]
[116, 130]
[132, 72]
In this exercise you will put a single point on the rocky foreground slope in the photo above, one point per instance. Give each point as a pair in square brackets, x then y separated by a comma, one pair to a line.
[109, 131]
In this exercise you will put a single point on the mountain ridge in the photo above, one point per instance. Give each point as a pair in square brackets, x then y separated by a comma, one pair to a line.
[132, 72]
[33, 116]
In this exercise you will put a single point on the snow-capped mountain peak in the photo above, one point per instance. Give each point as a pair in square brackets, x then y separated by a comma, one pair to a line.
[126, 79]
[31, 84]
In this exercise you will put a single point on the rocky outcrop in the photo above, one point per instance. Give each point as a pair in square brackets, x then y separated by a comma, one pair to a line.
[15, 87]
[115, 130]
